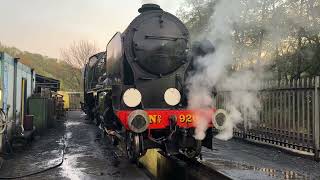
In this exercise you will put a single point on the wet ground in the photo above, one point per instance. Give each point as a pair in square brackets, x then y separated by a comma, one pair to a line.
[241, 160]
[86, 156]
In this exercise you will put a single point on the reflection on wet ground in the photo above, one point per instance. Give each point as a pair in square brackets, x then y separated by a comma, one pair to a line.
[69, 124]
[237, 168]
[240, 160]
[85, 156]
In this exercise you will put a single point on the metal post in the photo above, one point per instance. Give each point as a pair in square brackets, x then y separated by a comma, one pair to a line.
[32, 81]
[316, 124]
[14, 105]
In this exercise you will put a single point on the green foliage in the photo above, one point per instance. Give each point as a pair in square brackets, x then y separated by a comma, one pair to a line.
[49, 67]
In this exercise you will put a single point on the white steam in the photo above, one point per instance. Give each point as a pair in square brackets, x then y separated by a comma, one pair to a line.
[212, 72]
[242, 103]
[277, 24]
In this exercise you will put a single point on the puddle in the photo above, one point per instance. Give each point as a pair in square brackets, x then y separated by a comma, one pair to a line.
[47, 163]
[231, 166]
[70, 169]
[55, 151]
[68, 135]
[69, 124]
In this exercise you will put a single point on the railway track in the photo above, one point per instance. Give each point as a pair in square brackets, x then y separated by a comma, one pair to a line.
[161, 166]
[198, 170]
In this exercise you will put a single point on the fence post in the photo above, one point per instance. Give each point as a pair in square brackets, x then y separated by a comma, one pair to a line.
[316, 124]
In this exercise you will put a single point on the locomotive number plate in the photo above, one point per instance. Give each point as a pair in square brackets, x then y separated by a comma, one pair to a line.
[186, 118]
[155, 119]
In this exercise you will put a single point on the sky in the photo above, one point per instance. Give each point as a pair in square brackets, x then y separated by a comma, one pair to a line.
[47, 26]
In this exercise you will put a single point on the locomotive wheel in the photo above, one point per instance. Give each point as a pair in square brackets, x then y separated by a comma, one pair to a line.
[2, 122]
[133, 146]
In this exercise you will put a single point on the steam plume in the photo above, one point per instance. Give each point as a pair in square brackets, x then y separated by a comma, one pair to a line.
[213, 73]
[279, 26]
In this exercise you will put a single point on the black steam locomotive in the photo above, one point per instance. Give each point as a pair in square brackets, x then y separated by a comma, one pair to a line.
[136, 92]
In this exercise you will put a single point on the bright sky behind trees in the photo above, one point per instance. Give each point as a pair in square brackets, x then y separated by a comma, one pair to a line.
[46, 26]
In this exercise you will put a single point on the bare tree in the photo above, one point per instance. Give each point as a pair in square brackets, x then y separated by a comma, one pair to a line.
[78, 54]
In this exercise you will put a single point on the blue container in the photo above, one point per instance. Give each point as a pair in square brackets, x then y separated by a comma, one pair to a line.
[16, 85]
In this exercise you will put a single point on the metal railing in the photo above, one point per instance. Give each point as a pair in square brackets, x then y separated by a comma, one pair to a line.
[289, 115]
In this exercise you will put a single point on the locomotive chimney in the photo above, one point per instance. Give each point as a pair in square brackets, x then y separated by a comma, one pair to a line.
[149, 7]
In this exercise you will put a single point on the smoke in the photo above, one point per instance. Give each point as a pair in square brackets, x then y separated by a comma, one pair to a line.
[213, 71]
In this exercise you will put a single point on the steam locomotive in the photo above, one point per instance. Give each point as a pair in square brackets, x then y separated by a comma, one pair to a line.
[136, 90]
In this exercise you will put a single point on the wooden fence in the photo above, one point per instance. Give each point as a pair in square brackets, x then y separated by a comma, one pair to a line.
[289, 116]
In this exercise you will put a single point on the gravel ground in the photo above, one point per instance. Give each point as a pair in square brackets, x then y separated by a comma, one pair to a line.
[86, 156]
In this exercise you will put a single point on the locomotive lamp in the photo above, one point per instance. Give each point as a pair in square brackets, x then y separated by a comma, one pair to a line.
[138, 121]
[172, 96]
[132, 97]
[220, 119]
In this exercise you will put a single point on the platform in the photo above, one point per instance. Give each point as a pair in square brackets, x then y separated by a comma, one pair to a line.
[242, 160]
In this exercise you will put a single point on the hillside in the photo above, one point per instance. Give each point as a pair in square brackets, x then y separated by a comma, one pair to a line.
[49, 67]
